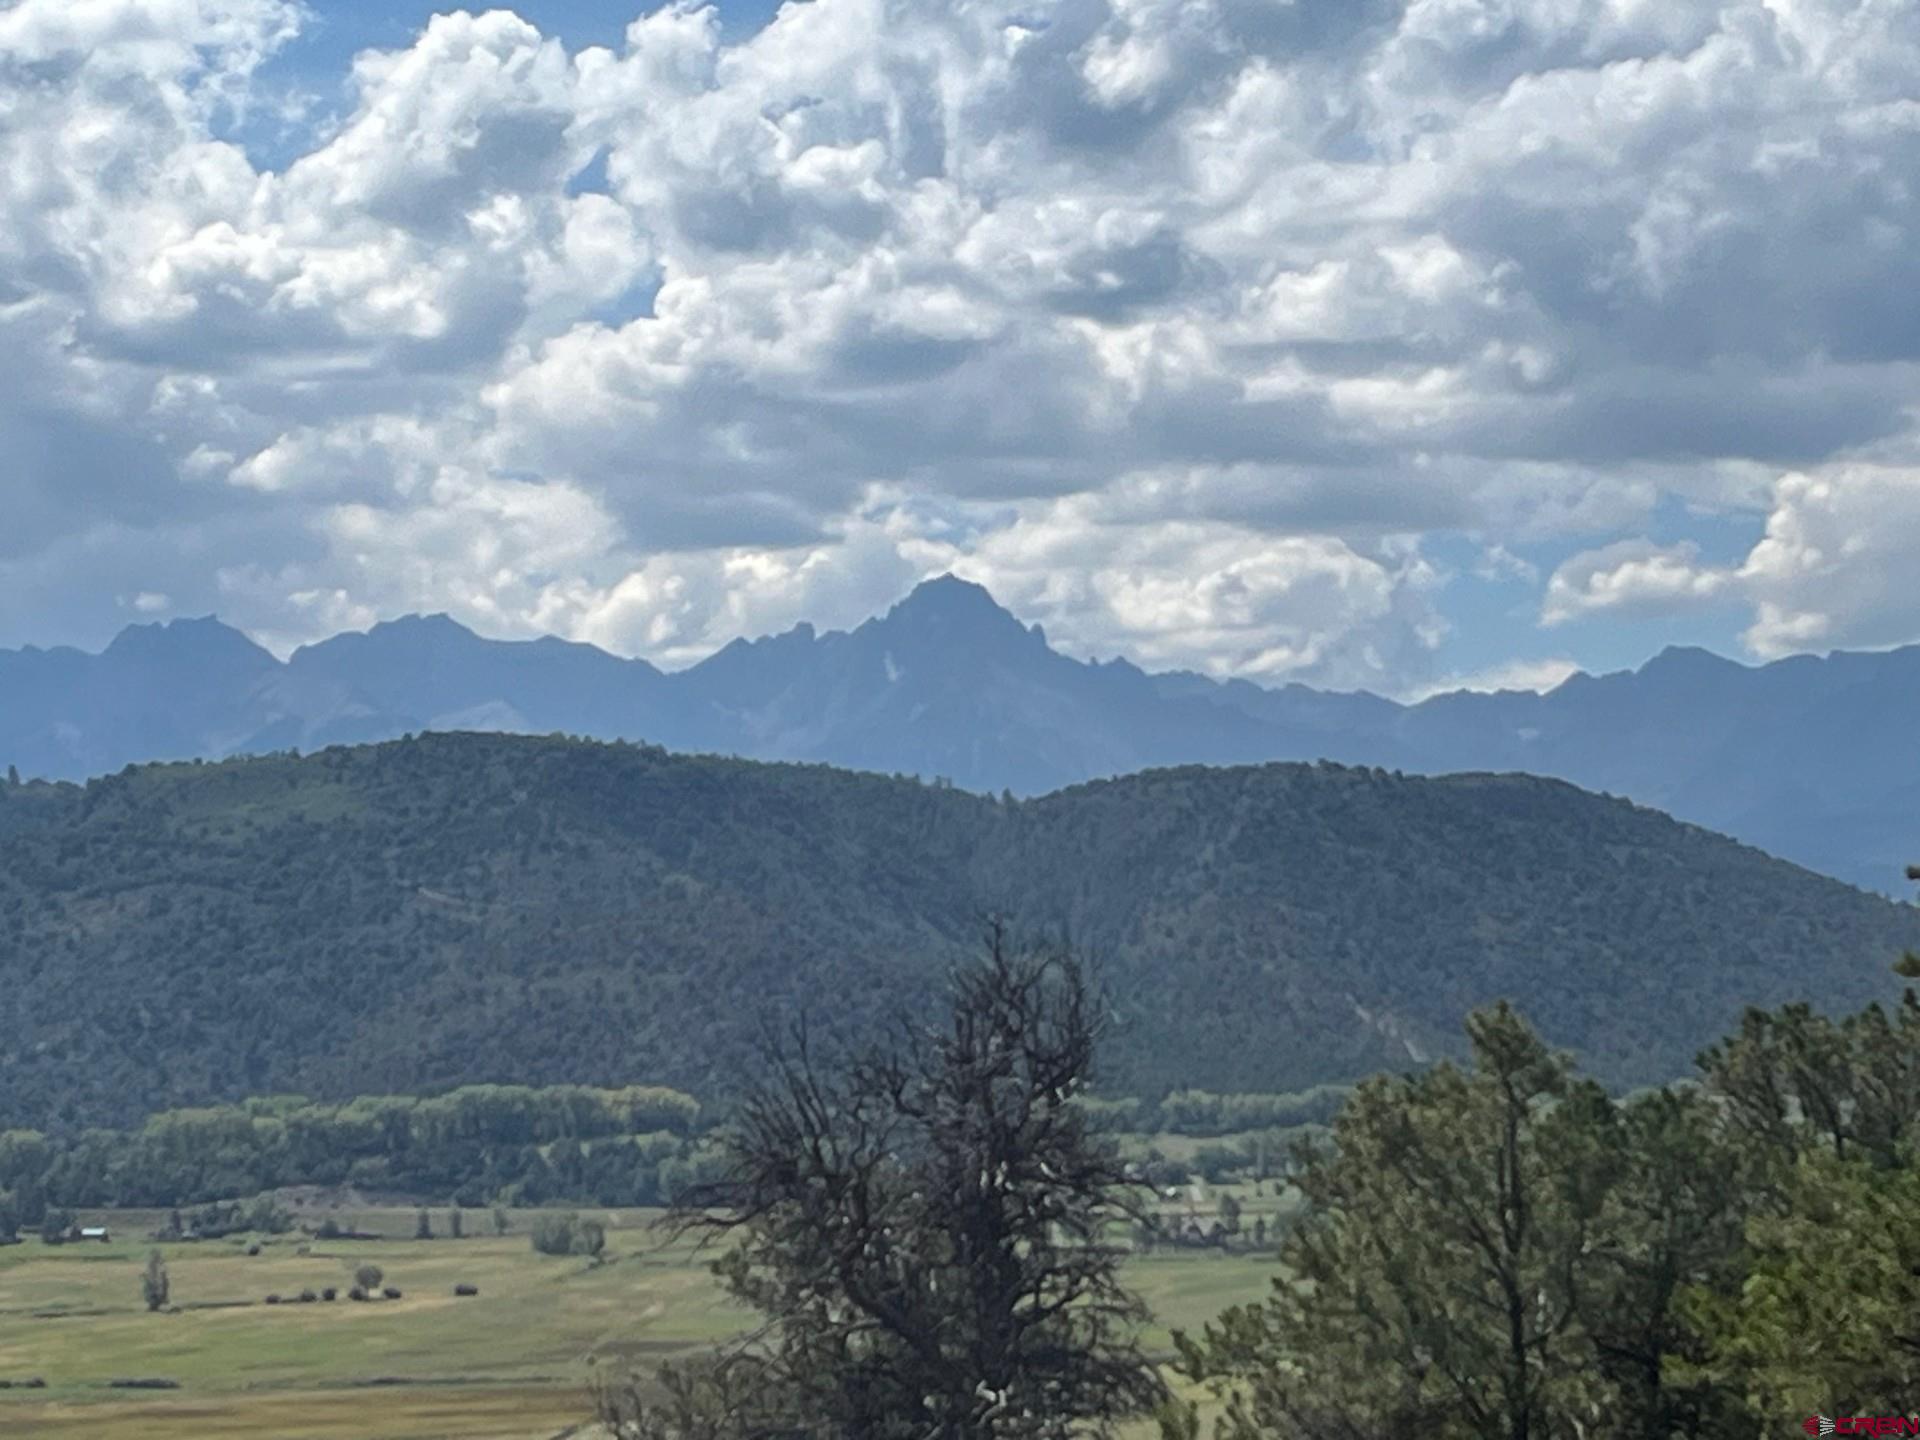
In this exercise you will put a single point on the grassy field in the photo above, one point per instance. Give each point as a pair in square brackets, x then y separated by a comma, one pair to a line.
[512, 1361]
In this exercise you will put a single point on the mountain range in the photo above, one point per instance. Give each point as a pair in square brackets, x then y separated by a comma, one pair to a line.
[1809, 758]
[451, 909]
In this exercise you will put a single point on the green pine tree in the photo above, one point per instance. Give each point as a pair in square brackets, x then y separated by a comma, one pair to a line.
[1430, 1288]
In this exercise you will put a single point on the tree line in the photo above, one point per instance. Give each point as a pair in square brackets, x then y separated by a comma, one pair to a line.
[482, 1145]
[1202, 1112]
[477, 1145]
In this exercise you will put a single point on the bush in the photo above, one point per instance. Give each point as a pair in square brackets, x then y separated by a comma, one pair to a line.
[464, 1289]
[329, 1229]
[273, 1299]
[1213, 1163]
[215, 1222]
[368, 1277]
[307, 1297]
[391, 1292]
[568, 1234]
[266, 1214]
[356, 1293]
[553, 1234]
[328, 1293]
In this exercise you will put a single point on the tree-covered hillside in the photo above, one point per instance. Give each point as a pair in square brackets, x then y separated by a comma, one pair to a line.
[465, 908]
[1808, 758]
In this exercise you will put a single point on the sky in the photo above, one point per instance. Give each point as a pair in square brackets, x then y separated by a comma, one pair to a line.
[1354, 342]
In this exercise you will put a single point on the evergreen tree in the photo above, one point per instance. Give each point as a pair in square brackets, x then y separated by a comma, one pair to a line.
[1230, 1214]
[153, 1281]
[1793, 1080]
[1827, 1319]
[1431, 1287]
[1669, 1235]
[1908, 965]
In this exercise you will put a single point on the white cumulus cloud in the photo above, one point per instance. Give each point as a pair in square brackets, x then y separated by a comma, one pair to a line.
[1193, 327]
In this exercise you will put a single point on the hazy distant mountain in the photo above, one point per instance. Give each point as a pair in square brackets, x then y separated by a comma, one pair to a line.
[1808, 758]
[482, 907]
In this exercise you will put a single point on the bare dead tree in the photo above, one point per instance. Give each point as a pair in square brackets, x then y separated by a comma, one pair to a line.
[929, 1230]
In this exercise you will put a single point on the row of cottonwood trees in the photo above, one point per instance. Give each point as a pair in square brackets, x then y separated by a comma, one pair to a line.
[931, 1235]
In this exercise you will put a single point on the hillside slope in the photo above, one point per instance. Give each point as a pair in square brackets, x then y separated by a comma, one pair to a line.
[460, 908]
[1807, 758]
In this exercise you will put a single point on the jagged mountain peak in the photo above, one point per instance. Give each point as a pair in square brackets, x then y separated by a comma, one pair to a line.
[947, 607]
[437, 623]
[186, 640]
[437, 629]
[1691, 663]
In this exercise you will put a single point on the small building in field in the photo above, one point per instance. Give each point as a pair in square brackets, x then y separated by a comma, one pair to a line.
[93, 1232]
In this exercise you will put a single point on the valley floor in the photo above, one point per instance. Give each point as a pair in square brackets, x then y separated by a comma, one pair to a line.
[511, 1363]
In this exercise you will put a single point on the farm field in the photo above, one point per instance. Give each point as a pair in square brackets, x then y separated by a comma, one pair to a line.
[512, 1362]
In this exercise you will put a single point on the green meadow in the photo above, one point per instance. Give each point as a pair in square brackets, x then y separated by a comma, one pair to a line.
[513, 1361]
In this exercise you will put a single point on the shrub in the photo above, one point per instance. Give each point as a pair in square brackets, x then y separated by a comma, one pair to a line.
[1213, 1163]
[368, 1277]
[553, 1234]
[356, 1293]
[328, 1293]
[307, 1297]
[329, 1229]
[391, 1292]
[464, 1289]
[273, 1299]
[214, 1222]
[254, 1249]
[568, 1234]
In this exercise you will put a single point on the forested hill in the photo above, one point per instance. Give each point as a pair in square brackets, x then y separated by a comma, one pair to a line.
[461, 908]
[1810, 759]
